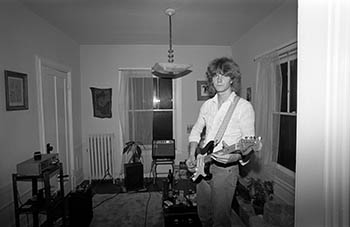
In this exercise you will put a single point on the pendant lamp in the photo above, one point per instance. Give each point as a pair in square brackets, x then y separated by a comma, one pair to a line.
[170, 70]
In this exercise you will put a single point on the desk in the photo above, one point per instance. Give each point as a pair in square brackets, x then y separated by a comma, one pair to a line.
[156, 162]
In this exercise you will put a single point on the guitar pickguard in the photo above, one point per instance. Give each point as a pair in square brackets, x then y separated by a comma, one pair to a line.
[202, 167]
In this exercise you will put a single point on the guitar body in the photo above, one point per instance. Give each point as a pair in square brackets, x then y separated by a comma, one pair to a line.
[200, 155]
[245, 147]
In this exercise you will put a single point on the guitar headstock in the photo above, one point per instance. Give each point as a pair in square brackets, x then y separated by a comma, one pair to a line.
[251, 142]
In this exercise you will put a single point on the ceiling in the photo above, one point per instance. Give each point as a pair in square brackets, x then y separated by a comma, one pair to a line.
[196, 22]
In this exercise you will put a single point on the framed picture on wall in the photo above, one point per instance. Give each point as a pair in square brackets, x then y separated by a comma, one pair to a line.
[16, 89]
[202, 90]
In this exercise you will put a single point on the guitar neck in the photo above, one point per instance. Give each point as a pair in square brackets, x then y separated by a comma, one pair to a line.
[235, 148]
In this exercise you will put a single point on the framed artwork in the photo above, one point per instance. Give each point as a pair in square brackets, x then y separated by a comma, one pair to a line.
[202, 90]
[16, 89]
[249, 94]
[102, 102]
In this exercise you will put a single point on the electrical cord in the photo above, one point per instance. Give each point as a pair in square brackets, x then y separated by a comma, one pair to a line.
[94, 186]
[106, 200]
[27, 219]
[146, 210]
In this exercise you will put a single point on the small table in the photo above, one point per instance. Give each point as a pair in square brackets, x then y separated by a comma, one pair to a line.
[179, 207]
[43, 201]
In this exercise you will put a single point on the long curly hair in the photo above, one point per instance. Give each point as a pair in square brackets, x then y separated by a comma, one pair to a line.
[226, 66]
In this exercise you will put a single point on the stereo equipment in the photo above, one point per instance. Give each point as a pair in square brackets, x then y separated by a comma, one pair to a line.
[163, 149]
[32, 167]
[133, 176]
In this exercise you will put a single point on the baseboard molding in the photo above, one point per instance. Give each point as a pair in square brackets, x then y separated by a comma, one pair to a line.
[284, 186]
[6, 196]
[6, 205]
[79, 176]
[7, 216]
[284, 192]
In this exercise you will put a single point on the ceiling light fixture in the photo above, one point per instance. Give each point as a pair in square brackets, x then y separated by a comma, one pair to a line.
[170, 70]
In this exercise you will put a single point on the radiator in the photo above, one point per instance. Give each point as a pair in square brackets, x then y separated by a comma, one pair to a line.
[101, 156]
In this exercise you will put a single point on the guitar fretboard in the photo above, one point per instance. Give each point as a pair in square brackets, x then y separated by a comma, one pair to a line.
[235, 148]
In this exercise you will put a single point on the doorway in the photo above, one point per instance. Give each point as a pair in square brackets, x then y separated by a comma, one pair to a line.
[55, 115]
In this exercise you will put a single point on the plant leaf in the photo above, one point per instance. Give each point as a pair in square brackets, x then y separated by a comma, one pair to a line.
[139, 151]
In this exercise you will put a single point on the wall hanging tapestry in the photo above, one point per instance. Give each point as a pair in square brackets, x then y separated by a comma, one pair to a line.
[102, 102]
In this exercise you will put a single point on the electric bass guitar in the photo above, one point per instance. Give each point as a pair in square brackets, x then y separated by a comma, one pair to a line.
[245, 147]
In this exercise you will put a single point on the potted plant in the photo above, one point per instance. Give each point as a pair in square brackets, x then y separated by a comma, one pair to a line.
[134, 151]
[260, 192]
[133, 165]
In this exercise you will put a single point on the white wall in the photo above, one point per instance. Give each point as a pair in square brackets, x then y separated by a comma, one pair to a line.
[23, 36]
[276, 30]
[99, 68]
[322, 170]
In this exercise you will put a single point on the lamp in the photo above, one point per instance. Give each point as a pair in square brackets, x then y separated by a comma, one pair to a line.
[170, 70]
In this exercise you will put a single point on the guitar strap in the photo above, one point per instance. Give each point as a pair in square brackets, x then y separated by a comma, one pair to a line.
[226, 120]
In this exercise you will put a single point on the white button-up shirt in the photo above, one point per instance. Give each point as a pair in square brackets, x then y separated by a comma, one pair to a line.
[240, 125]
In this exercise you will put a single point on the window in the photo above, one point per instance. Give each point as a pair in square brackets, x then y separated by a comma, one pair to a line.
[162, 108]
[288, 113]
[150, 108]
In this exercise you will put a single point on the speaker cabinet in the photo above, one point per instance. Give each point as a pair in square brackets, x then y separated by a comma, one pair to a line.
[133, 178]
[163, 149]
[80, 208]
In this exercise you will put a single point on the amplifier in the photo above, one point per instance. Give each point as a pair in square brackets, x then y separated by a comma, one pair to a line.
[163, 149]
[133, 176]
[33, 167]
[80, 208]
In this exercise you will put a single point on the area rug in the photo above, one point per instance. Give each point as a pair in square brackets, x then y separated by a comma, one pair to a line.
[128, 210]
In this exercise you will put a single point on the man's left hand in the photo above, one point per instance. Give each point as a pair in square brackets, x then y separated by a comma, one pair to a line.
[224, 158]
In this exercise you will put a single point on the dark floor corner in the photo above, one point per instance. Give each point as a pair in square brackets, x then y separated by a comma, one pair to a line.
[117, 186]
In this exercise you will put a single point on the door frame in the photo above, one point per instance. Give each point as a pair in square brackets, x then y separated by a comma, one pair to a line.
[40, 63]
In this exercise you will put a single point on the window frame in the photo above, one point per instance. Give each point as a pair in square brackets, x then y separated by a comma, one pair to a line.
[173, 109]
[287, 56]
[168, 109]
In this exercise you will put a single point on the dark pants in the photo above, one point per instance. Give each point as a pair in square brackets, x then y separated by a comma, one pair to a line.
[214, 197]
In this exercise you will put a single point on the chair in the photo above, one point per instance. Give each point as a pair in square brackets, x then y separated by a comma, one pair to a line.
[163, 153]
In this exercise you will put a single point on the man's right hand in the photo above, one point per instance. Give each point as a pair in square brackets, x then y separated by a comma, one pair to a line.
[191, 161]
[191, 164]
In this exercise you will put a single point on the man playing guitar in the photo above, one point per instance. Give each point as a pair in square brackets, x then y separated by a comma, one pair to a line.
[214, 195]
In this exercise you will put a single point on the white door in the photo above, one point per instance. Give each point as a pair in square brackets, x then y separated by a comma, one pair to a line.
[55, 118]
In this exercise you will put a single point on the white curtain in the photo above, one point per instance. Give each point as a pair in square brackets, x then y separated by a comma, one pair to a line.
[267, 102]
[135, 108]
